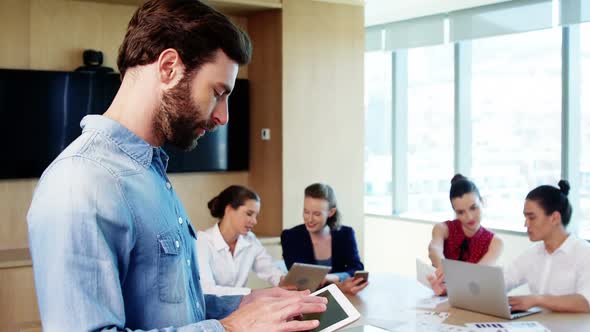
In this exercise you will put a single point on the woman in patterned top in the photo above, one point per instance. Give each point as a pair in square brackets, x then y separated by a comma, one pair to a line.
[464, 238]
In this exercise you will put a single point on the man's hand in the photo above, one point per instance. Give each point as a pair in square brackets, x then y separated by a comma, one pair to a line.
[437, 282]
[274, 292]
[523, 303]
[352, 286]
[273, 309]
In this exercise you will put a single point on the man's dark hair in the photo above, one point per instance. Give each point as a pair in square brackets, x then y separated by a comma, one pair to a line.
[552, 199]
[195, 30]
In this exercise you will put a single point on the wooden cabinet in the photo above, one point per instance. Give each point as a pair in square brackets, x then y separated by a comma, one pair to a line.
[232, 7]
[18, 300]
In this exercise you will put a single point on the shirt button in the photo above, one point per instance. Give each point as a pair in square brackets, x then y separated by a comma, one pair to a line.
[177, 244]
[180, 220]
[188, 261]
[168, 185]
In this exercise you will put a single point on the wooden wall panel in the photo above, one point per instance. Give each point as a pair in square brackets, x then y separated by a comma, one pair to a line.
[242, 22]
[61, 30]
[14, 34]
[196, 189]
[323, 109]
[266, 112]
[15, 199]
[18, 300]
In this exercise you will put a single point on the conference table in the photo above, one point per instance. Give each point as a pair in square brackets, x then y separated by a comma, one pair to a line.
[388, 296]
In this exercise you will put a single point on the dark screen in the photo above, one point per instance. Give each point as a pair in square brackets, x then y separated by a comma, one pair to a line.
[333, 314]
[227, 148]
[40, 114]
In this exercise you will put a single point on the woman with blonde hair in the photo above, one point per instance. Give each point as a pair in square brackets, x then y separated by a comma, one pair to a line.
[323, 240]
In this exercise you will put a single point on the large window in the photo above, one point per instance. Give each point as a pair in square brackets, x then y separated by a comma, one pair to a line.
[378, 182]
[516, 119]
[583, 212]
[479, 91]
[430, 130]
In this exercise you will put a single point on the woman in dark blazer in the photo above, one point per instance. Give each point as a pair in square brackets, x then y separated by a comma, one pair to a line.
[323, 240]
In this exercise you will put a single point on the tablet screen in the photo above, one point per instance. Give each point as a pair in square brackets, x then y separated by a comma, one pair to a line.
[333, 314]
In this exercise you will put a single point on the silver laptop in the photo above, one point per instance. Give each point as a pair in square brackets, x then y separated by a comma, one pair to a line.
[305, 276]
[479, 288]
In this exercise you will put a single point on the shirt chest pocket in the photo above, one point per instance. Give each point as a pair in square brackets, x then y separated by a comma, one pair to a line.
[171, 274]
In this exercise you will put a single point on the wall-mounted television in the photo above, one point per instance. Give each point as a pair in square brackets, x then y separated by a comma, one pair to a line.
[40, 113]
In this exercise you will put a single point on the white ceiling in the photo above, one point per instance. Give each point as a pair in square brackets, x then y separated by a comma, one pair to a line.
[383, 11]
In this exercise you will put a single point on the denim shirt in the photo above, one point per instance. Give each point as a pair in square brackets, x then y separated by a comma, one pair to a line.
[112, 246]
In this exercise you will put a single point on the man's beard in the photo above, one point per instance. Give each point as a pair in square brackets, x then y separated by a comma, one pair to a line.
[178, 117]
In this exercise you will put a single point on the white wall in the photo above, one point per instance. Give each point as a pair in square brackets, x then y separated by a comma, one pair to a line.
[383, 11]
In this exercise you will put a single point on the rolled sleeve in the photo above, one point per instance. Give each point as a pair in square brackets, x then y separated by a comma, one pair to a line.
[219, 307]
[342, 276]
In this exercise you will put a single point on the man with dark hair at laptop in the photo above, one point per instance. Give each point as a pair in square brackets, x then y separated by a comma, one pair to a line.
[111, 243]
[557, 268]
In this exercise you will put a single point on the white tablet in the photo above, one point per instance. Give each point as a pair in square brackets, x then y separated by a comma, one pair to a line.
[305, 276]
[340, 311]
[424, 270]
[365, 328]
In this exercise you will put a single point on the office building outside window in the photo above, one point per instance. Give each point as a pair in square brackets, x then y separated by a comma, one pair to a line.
[378, 182]
[430, 131]
[583, 210]
[516, 118]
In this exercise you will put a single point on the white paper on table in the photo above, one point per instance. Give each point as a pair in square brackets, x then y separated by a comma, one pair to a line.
[408, 318]
[386, 324]
[508, 327]
[434, 317]
[420, 326]
[430, 302]
[365, 328]
[423, 270]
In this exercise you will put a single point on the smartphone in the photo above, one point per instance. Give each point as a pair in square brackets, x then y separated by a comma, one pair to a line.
[362, 274]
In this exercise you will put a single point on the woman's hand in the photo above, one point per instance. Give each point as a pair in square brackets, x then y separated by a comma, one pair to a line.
[522, 303]
[330, 278]
[352, 286]
[437, 282]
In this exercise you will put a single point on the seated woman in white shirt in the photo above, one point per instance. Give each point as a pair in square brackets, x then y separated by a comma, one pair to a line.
[228, 251]
[557, 270]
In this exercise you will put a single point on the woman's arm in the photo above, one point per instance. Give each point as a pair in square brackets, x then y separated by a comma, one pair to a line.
[352, 259]
[440, 232]
[264, 265]
[563, 303]
[493, 253]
